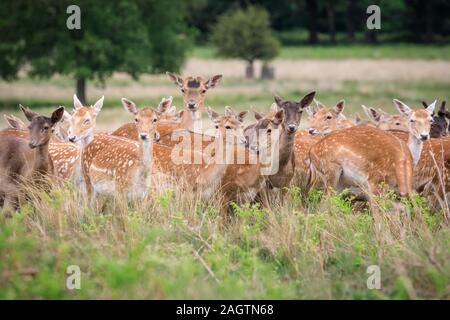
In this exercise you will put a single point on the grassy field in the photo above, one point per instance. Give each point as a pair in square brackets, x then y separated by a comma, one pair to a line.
[350, 51]
[172, 245]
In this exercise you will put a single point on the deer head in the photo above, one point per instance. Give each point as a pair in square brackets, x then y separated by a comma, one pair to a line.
[325, 120]
[229, 127]
[146, 118]
[419, 121]
[385, 121]
[439, 125]
[256, 134]
[293, 111]
[41, 128]
[194, 89]
[83, 120]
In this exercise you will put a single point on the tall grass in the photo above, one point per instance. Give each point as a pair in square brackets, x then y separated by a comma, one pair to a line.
[173, 245]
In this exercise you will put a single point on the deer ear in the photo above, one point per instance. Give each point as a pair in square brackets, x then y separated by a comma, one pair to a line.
[278, 100]
[402, 108]
[57, 115]
[373, 114]
[76, 102]
[66, 116]
[99, 104]
[430, 108]
[214, 116]
[306, 101]
[129, 105]
[213, 81]
[357, 119]
[278, 118]
[425, 105]
[319, 105]
[28, 113]
[258, 116]
[339, 107]
[229, 112]
[175, 79]
[164, 104]
[241, 116]
[14, 122]
[310, 111]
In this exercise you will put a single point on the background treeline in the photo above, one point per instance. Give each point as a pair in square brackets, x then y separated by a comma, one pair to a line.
[334, 21]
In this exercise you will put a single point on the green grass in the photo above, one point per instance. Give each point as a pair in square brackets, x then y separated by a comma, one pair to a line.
[173, 246]
[350, 51]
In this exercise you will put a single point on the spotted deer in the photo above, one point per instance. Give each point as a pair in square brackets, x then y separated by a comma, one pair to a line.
[113, 165]
[385, 121]
[26, 160]
[193, 90]
[432, 170]
[323, 120]
[351, 157]
[166, 122]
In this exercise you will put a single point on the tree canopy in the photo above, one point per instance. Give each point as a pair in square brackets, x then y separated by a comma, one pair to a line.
[138, 36]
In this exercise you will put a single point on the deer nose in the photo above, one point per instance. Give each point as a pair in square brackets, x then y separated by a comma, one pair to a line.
[292, 127]
[191, 104]
[32, 144]
[143, 136]
[312, 131]
[424, 137]
[72, 138]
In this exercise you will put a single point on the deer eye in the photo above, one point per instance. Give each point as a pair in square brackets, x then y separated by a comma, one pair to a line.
[412, 120]
[203, 91]
[329, 117]
[154, 120]
[397, 124]
[86, 121]
[217, 127]
[269, 130]
[227, 127]
[182, 90]
[136, 120]
[46, 128]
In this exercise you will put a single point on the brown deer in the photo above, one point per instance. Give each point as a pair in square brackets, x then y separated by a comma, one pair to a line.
[291, 121]
[114, 165]
[325, 120]
[24, 160]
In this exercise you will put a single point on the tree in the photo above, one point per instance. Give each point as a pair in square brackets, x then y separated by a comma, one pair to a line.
[312, 8]
[138, 36]
[245, 34]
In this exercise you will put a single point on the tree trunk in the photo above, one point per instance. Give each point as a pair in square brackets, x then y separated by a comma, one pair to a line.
[428, 36]
[312, 8]
[331, 21]
[250, 70]
[351, 5]
[371, 36]
[81, 90]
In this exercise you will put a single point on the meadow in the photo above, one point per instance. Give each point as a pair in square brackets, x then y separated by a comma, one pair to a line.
[174, 246]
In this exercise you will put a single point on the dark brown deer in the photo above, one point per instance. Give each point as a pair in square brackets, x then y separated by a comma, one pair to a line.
[291, 121]
[24, 160]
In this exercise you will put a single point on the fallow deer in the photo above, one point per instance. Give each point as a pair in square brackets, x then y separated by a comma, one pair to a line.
[193, 90]
[323, 120]
[291, 121]
[24, 160]
[385, 121]
[114, 165]
[439, 125]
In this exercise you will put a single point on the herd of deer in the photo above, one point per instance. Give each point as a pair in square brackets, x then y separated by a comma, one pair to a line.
[409, 152]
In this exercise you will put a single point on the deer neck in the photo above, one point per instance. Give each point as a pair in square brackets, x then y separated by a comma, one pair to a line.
[87, 139]
[42, 163]
[415, 147]
[192, 120]
[145, 167]
[285, 147]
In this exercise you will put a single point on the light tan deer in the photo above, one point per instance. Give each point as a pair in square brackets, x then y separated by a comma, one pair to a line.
[351, 157]
[432, 170]
[385, 121]
[209, 175]
[324, 120]
[193, 90]
[166, 122]
[114, 165]
[26, 160]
